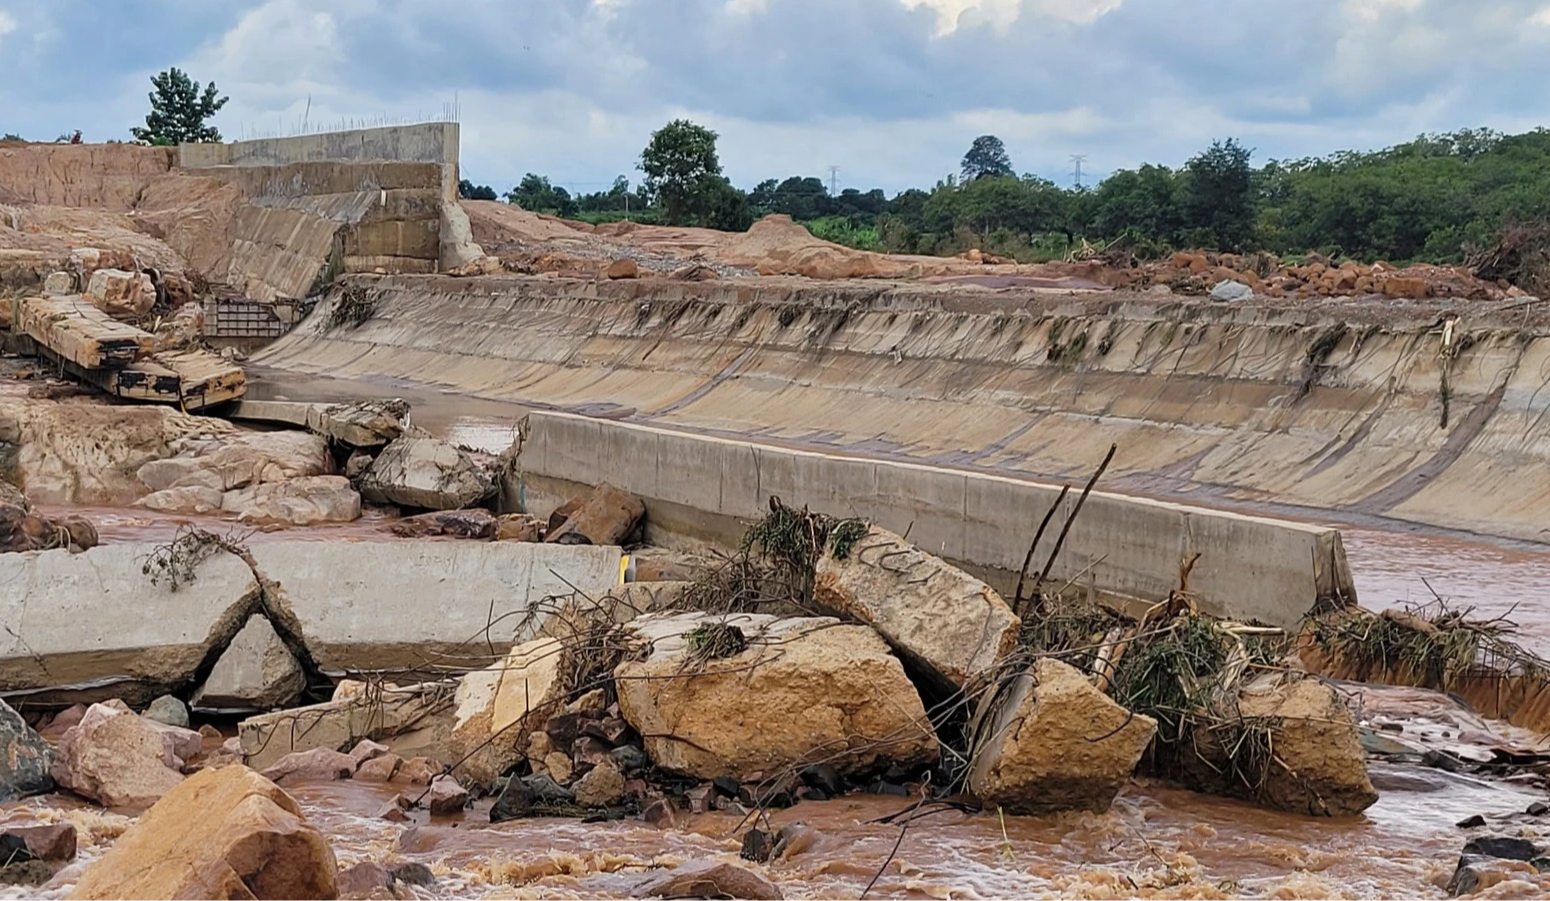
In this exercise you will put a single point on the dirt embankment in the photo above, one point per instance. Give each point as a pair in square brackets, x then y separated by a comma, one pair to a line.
[1422, 411]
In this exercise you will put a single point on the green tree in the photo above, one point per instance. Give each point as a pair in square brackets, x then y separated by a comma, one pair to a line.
[681, 169]
[179, 111]
[1218, 202]
[720, 205]
[536, 195]
[467, 190]
[986, 156]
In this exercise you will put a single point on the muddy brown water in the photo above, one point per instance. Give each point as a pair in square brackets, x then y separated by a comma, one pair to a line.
[1157, 841]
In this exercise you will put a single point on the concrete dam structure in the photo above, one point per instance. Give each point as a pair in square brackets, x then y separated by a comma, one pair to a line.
[1405, 412]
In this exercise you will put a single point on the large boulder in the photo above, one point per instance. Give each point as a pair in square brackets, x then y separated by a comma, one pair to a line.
[1051, 741]
[256, 670]
[605, 517]
[342, 724]
[24, 530]
[84, 453]
[25, 758]
[122, 295]
[223, 833]
[194, 499]
[499, 707]
[950, 627]
[474, 523]
[298, 502]
[366, 423]
[734, 695]
[1318, 767]
[253, 458]
[425, 473]
[122, 760]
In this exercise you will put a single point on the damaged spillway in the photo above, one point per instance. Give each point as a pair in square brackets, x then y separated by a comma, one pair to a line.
[137, 620]
[1413, 410]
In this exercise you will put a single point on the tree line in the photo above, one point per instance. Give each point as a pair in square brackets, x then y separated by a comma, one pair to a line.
[1426, 200]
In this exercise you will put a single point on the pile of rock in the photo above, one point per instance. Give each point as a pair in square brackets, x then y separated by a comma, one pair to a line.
[1198, 272]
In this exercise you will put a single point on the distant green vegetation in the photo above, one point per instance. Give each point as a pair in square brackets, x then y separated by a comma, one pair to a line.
[1428, 200]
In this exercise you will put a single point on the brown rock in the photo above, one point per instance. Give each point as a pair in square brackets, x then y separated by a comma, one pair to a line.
[393, 811]
[623, 268]
[446, 797]
[62, 722]
[594, 702]
[367, 750]
[499, 707]
[798, 686]
[660, 813]
[606, 517]
[119, 759]
[226, 833]
[710, 879]
[316, 765]
[559, 767]
[602, 786]
[1394, 286]
[519, 527]
[418, 771]
[473, 523]
[54, 841]
[1052, 742]
[120, 294]
[364, 878]
[949, 624]
[564, 511]
[379, 769]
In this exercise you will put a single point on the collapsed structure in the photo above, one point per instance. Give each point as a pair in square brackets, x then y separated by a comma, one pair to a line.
[863, 587]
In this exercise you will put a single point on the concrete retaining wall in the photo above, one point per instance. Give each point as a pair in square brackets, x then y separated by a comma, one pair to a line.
[430, 142]
[704, 488]
[94, 625]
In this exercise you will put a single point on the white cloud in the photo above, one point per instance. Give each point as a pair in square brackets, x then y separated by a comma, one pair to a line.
[746, 7]
[7, 23]
[953, 14]
[1542, 17]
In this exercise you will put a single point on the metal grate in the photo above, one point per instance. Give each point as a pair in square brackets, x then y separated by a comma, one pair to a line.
[226, 318]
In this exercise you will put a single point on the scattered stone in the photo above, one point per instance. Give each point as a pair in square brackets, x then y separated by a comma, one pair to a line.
[559, 767]
[315, 765]
[660, 813]
[527, 796]
[757, 846]
[593, 702]
[694, 272]
[169, 711]
[630, 759]
[57, 284]
[62, 721]
[379, 769]
[194, 499]
[606, 517]
[226, 833]
[256, 670]
[474, 523]
[823, 777]
[118, 759]
[948, 625]
[519, 527]
[392, 715]
[1475, 874]
[418, 771]
[425, 473]
[393, 811]
[302, 501]
[54, 841]
[710, 879]
[368, 750]
[602, 786]
[446, 797]
[1504, 847]
[364, 878]
[1471, 822]
[1229, 291]
[25, 758]
[1052, 741]
[414, 874]
[774, 703]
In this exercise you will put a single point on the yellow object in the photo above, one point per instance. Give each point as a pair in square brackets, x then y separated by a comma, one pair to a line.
[624, 567]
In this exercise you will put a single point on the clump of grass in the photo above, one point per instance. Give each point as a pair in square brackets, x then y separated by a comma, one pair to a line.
[715, 641]
[1433, 646]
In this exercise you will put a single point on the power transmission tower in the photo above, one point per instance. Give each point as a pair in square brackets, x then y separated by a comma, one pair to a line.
[834, 172]
[1077, 160]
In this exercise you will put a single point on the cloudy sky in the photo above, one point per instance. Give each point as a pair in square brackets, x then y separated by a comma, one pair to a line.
[890, 91]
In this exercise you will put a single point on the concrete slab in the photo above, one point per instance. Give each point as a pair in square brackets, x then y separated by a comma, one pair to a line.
[96, 621]
[386, 605]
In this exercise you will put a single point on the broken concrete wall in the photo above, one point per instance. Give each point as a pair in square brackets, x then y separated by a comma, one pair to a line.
[96, 619]
[706, 488]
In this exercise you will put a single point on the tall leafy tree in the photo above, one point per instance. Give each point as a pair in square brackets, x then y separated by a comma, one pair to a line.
[467, 190]
[682, 171]
[179, 110]
[986, 156]
[1218, 197]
